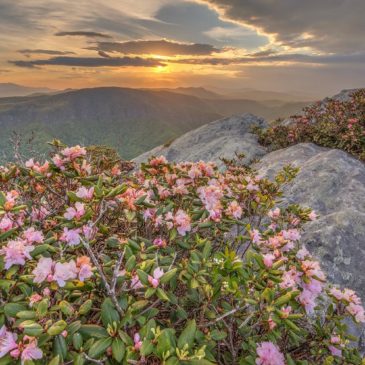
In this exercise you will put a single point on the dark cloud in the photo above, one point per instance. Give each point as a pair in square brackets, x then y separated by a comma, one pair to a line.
[103, 54]
[327, 25]
[267, 52]
[83, 34]
[90, 62]
[161, 47]
[44, 51]
[356, 58]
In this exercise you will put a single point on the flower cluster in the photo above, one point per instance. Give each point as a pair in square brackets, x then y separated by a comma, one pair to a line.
[332, 123]
[167, 264]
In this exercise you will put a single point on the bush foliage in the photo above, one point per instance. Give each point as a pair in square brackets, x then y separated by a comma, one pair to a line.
[171, 264]
[333, 123]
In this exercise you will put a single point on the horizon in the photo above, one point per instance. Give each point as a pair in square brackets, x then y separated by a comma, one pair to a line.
[282, 46]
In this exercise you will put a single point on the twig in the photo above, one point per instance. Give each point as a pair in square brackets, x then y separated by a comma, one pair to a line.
[232, 311]
[87, 357]
[109, 290]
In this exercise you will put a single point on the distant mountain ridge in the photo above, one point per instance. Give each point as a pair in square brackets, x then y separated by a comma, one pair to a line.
[10, 89]
[131, 120]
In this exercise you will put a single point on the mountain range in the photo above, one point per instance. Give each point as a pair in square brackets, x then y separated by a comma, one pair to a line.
[130, 120]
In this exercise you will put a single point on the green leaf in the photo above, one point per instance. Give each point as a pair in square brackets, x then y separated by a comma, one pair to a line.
[167, 276]
[131, 263]
[99, 347]
[187, 336]
[11, 309]
[57, 328]
[146, 348]
[31, 328]
[218, 335]
[77, 340]
[166, 342]
[93, 330]
[118, 349]
[108, 313]
[85, 307]
[143, 277]
[60, 347]
[55, 360]
[162, 295]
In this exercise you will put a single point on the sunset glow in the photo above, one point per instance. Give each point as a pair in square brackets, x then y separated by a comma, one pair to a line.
[179, 43]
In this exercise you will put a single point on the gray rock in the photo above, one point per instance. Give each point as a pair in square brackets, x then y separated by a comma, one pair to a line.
[221, 138]
[333, 184]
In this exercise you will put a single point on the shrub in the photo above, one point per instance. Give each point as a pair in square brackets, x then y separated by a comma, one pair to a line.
[173, 264]
[334, 124]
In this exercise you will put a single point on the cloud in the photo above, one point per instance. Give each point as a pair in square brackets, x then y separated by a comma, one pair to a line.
[161, 47]
[228, 34]
[261, 57]
[83, 34]
[90, 62]
[44, 51]
[326, 25]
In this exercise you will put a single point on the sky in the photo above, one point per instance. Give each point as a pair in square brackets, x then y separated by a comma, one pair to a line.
[316, 47]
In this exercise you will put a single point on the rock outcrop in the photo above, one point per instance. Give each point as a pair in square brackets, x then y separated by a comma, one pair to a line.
[333, 184]
[222, 138]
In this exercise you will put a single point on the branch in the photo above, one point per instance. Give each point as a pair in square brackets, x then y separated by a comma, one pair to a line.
[110, 291]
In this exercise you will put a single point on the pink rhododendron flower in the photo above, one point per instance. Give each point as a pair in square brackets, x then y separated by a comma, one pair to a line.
[269, 259]
[34, 298]
[159, 242]
[255, 236]
[357, 311]
[161, 160]
[269, 354]
[136, 283]
[182, 222]
[7, 341]
[84, 268]
[71, 236]
[28, 351]
[36, 166]
[75, 212]
[33, 236]
[43, 270]
[58, 161]
[274, 213]
[73, 152]
[290, 279]
[64, 271]
[312, 215]
[85, 193]
[335, 351]
[6, 224]
[307, 299]
[303, 253]
[234, 210]
[292, 235]
[155, 279]
[15, 252]
[312, 268]
[137, 341]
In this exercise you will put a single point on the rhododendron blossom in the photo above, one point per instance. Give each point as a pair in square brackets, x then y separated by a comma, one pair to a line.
[154, 279]
[16, 252]
[7, 341]
[75, 212]
[269, 354]
[182, 222]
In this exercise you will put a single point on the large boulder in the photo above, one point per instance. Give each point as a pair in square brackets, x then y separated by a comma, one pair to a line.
[333, 184]
[221, 138]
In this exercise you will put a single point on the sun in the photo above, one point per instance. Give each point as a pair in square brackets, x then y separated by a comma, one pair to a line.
[161, 69]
